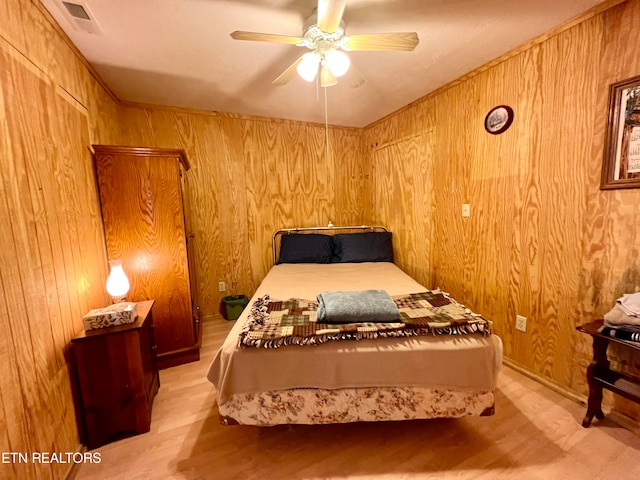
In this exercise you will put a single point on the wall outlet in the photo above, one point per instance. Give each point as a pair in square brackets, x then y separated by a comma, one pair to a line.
[521, 323]
[466, 210]
[222, 287]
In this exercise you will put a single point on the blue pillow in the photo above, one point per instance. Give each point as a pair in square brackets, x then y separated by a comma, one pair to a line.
[362, 247]
[305, 248]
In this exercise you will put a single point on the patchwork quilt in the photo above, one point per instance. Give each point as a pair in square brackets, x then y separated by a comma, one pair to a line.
[275, 323]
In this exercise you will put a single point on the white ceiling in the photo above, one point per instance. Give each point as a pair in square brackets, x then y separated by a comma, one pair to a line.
[179, 52]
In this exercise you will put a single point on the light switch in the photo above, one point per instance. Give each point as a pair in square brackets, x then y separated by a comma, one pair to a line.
[466, 210]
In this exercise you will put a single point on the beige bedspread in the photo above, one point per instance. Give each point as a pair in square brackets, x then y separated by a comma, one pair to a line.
[469, 361]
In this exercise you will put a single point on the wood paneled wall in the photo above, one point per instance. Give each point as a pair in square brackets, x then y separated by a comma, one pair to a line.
[52, 254]
[249, 177]
[542, 241]
[402, 190]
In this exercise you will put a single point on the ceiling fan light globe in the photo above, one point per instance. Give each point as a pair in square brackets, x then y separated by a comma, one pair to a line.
[308, 67]
[327, 79]
[338, 62]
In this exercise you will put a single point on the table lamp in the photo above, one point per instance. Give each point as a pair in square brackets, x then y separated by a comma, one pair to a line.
[117, 283]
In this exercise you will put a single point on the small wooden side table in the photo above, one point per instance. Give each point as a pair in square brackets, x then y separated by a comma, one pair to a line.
[600, 376]
[118, 378]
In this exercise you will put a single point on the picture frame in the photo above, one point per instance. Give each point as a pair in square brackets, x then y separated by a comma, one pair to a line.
[621, 162]
[498, 120]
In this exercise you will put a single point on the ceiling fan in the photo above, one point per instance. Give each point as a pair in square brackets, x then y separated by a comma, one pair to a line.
[324, 36]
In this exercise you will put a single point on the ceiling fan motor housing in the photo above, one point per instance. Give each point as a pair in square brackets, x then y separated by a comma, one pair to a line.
[320, 41]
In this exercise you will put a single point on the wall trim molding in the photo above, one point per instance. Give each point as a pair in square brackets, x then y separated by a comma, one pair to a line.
[233, 116]
[578, 398]
[14, 52]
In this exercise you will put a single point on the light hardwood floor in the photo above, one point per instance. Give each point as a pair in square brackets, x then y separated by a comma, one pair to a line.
[535, 434]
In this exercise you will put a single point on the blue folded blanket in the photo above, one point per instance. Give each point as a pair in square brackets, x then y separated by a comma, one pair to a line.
[355, 307]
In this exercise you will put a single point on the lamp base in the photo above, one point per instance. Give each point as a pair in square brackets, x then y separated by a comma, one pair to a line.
[118, 298]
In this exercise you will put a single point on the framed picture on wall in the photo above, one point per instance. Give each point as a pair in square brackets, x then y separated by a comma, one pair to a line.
[621, 163]
[499, 119]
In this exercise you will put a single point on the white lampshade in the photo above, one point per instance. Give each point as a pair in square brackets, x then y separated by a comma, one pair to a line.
[308, 67]
[117, 283]
[338, 62]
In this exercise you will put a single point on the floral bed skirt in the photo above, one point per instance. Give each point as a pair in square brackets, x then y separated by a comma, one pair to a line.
[371, 404]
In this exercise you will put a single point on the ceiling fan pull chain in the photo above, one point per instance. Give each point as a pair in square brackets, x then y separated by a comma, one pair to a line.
[326, 127]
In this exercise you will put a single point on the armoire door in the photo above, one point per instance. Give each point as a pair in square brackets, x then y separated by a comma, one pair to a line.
[143, 214]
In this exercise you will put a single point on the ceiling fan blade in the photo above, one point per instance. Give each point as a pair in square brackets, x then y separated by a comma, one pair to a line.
[286, 76]
[330, 14]
[404, 41]
[265, 37]
[327, 79]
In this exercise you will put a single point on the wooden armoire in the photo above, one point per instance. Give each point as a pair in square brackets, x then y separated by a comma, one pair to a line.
[146, 222]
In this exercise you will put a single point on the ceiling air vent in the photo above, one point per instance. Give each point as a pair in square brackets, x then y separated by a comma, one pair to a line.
[76, 10]
[80, 16]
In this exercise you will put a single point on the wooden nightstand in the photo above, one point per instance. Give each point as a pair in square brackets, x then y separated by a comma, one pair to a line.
[600, 376]
[118, 378]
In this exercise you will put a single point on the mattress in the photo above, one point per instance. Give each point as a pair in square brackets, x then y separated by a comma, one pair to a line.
[463, 363]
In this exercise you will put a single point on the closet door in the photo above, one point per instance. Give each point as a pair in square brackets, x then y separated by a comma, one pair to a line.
[143, 214]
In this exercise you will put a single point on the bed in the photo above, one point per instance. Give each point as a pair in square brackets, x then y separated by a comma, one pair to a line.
[341, 376]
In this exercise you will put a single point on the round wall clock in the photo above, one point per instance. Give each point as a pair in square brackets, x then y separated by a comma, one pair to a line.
[498, 119]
